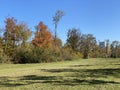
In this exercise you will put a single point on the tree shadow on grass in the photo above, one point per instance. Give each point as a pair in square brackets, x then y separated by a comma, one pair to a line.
[26, 80]
[87, 72]
[59, 70]
[76, 76]
[83, 74]
[34, 77]
[52, 80]
[75, 82]
[61, 80]
[71, 77]
[8, 82]
[80, 65]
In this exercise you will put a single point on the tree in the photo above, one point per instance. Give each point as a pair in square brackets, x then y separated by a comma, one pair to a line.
[58, 15]
[73, 39]
[108, 49]
[115, 49]
[14, 35]
[43, 37]
[9, 34]
[23, 34]
[87, 44]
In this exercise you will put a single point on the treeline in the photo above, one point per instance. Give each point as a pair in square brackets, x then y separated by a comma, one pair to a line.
[17, 46]
[88, 47]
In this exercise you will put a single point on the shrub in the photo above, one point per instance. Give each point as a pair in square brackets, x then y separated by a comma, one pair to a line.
[39, 55]
[34, 55]
[4, 58]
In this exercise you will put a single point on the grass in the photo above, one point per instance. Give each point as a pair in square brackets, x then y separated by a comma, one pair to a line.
[83, 74]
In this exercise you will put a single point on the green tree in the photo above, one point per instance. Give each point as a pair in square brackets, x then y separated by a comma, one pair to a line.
[115, 49]
[87, 44]
[73, 39]
[108, 49]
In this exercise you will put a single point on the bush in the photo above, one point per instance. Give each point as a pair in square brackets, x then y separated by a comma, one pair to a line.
[35, 55]
[4, 58]
[67, 53]
[39, 55]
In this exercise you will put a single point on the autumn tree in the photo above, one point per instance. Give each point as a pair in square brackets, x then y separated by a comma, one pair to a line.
[43, 37]
[23, 49]
[9, 34]
[43, 42]
[1, 44]
[23, 34]
[15, 35]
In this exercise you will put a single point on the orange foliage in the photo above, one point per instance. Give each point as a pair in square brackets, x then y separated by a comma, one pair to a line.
[43, 37]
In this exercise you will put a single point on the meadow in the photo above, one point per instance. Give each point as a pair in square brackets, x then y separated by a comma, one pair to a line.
[82, 74]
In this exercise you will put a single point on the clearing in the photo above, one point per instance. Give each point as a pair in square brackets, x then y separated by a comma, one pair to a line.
[83, 74]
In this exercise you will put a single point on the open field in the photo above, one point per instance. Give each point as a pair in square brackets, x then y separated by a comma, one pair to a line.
[83, 74]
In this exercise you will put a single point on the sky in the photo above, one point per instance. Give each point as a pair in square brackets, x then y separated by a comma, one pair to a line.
[98, 17]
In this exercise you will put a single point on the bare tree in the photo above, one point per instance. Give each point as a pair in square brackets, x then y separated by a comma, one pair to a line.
[58, 15]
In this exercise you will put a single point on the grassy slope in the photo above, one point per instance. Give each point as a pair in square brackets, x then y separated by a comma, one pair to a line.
[91, 74]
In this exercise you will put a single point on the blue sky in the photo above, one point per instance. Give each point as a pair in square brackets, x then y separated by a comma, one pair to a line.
[98, 17]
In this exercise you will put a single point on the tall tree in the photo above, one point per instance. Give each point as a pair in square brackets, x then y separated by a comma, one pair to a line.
[87, 44]
[1, 39]
[15, 34]
[43, 37]
[23, 34]
[108, 49]
[73, 39]
[9, 35]
[58, 15]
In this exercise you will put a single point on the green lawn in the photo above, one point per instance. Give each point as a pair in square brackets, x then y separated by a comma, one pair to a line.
[83, 74]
